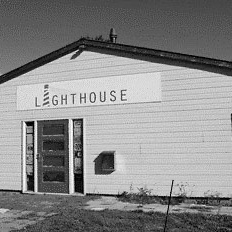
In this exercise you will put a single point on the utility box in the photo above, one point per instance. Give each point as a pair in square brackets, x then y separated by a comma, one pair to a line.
[108, 161]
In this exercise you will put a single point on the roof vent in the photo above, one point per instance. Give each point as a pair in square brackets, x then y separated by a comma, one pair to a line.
[113, 35]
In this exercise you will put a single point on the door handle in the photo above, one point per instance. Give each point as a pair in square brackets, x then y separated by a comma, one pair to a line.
[38, 156]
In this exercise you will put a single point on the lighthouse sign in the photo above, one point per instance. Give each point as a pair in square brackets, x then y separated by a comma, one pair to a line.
[127, 89]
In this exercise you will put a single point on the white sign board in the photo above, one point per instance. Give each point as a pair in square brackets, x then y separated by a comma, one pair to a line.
[136, 88]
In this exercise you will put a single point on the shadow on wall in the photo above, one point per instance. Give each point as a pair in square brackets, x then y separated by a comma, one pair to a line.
[104, 163]
[74, 56]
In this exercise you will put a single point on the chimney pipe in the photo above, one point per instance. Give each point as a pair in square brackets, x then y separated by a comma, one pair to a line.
[113, 35]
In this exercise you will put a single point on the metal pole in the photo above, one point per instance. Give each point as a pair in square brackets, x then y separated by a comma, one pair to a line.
[169, 201]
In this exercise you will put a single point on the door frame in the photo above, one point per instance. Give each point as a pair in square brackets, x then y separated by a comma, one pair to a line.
[71, 169]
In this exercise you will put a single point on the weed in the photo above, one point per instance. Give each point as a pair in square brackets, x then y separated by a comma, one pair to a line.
[184, 191]
[144, 195]
[210, 198]
[141, 197]
[131, 187]
[226, 202]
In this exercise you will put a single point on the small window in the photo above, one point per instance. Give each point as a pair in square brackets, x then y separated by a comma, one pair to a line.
[53, 129]
[53, 176]
[53, 161]
[52, 145]
[30, 155]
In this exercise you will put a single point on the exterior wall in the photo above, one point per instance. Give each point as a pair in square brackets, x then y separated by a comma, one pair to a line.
[186, 137]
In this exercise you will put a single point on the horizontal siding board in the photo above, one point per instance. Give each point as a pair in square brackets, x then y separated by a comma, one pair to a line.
[189, 89]
[8, 91]
[192, 91]
[179, 161]
[209, 81]
[8, 98]
[6, 132]
[180, 77]
[160, 118]
[137, 180]
[217, 130]
[187, 73]
[10, 140]
[13, 148]
[190, 169]
[10, 176]
[188, 148]
[175, 98]
[210, 87]
[162, 179]
[121, 139]
[10, 185]
[165, 145]
[137, 155]
[11, 162]
[152, 133]
[6, 169]
[130, 117]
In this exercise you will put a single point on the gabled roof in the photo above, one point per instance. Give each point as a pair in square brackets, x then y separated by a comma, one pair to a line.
[123, 50]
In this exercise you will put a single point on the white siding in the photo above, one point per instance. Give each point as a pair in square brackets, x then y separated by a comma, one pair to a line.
[186, 137]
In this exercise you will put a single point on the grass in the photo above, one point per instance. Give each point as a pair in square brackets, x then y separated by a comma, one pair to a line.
[72, 217]
[40, 202]
[115, 221]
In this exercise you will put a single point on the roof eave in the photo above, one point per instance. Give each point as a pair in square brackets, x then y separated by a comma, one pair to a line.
[140, 51]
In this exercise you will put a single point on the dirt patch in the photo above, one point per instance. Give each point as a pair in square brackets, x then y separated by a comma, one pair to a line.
[17, 219]
[112, 203]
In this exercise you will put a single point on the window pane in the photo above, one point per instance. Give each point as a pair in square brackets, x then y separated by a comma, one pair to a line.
[30, 130]
[29, 138]
[53, 129]
[56, 176]
[51, 145]
[53, 161]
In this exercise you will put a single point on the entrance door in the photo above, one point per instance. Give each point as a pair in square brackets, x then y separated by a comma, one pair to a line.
[53, 156]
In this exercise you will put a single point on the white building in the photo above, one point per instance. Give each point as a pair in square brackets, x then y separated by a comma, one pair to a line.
[98, 117]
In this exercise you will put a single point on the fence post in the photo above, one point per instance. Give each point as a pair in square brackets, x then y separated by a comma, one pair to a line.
[169, 201]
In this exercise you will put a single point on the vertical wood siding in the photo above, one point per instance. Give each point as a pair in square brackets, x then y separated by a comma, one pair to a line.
[186, 137]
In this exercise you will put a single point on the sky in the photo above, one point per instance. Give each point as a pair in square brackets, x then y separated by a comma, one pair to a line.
[33, 28]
